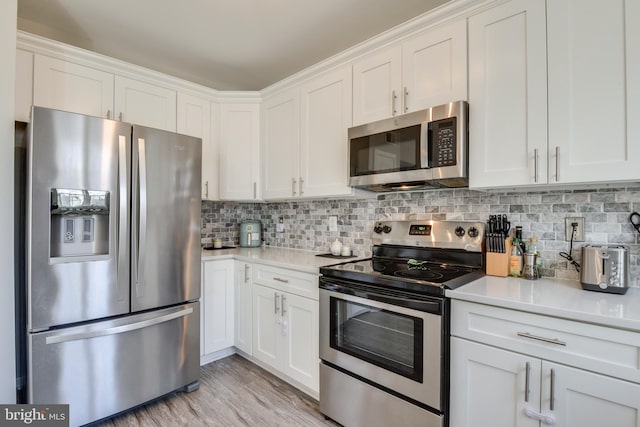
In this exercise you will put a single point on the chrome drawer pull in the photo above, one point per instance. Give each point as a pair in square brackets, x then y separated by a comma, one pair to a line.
[277, 279]
[535, 337]
[526, 382]
[552, 393]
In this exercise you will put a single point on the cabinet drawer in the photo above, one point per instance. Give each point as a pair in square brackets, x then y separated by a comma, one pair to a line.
[610, 351]
[295, 282]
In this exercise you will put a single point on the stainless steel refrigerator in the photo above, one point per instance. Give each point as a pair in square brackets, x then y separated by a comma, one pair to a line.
[112, 263]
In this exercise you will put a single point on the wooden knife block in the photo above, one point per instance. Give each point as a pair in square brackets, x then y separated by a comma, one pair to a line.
[498, 263]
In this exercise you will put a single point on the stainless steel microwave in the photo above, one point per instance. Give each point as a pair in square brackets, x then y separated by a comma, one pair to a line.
[423, 149]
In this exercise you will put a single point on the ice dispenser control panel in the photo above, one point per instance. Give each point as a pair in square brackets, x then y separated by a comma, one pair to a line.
[79, 223]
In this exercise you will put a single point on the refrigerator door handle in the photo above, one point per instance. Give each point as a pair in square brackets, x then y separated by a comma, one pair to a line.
[142, 215]
[76, 336]
[123, 197]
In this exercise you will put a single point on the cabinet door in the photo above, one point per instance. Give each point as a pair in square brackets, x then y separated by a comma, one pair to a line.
[70, 87]
[243, 309]
[239, 142]
[435, 67]
[145, 104]
[300, 327]
[266, 325]
[507, 95]
[585, 399]
[594, 90]
[194, 119]
[281, 144]
[217, 304]
[326, 116]
[377, 85]
[488, 386]
[24, 85]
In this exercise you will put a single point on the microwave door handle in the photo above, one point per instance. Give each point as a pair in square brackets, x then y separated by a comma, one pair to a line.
[424, 145]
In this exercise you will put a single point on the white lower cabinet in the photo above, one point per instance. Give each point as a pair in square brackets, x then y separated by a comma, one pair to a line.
[243, 310]
[285, 331]
[500, 387]
[217, 325]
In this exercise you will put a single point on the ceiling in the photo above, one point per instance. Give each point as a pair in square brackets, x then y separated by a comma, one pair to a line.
[222, 44]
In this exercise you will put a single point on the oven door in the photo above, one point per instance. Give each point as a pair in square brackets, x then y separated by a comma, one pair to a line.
[374, 337]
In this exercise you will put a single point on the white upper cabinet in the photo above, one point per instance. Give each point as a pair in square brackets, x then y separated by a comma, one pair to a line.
[145, 104]
[507, 95]
[377, 85]
[587, 59]
[434, 67]
[594, 90]
[325, 103]
[79, 89]
[194, 118]
[281, 144]
[425, 70]
[24, 85]
[239, 142]
[304, 138]
[71, 87]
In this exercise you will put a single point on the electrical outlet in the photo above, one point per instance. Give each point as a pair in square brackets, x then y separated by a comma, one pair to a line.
[333, 223]
[568, 228]
[280, 225]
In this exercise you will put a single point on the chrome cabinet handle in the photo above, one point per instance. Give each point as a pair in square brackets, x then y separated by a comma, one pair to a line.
[301, 182]
[526, 382]
[275, 303]
[535, 165]
[552, 392]
[293, 186]
[255, 190]
[283, 300]
[557, 154]
[55, 339]
[405, 99]
[536, 337]
[120, 116]
[277, 279]
[206, 189]
[108, 114]
[246, 273]
[394, 97]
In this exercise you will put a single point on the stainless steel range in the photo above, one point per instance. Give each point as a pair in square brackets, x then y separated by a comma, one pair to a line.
[384, 324]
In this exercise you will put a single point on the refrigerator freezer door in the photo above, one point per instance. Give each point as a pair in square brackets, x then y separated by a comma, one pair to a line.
[77, 218]
[103, 368]
[166, 218]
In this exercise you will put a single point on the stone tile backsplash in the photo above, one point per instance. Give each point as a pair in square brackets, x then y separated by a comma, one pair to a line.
[540, 213]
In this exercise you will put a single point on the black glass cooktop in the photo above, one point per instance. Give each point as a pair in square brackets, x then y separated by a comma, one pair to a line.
[412, 274]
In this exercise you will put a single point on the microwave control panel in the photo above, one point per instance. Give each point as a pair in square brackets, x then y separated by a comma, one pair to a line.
[442, 142]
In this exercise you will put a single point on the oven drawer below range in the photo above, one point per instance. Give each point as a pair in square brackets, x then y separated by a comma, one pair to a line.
[354, 403]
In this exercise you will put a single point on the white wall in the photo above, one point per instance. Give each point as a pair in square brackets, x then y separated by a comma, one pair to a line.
[8, 17]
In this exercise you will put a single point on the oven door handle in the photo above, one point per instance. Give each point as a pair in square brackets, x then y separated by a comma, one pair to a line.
[434, 306]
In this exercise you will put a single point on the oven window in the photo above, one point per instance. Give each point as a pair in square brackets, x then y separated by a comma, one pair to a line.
[393, 151]
[390, 340]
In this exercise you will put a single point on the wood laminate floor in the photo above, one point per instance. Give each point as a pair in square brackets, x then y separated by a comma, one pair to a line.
[233, 392]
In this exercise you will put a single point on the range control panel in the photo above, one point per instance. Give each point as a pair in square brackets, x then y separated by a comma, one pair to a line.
[467, 235]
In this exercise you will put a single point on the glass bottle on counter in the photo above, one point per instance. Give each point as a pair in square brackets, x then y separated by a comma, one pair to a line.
[515, 259]
[518, 236]
[533, 248]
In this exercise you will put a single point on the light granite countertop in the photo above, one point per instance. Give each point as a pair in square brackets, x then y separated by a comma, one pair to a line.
[294, 259]
[558, 298]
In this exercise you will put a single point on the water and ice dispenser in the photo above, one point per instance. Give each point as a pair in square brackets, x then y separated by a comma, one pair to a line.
[79, 223]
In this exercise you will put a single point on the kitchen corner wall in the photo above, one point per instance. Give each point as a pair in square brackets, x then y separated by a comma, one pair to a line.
[541, 214]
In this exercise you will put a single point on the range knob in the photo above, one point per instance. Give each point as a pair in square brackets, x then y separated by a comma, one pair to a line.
[386, 229]
[473, 232]
[459, 231]
[377, 228]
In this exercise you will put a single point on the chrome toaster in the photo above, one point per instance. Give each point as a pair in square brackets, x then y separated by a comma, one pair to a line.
[605, 269]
